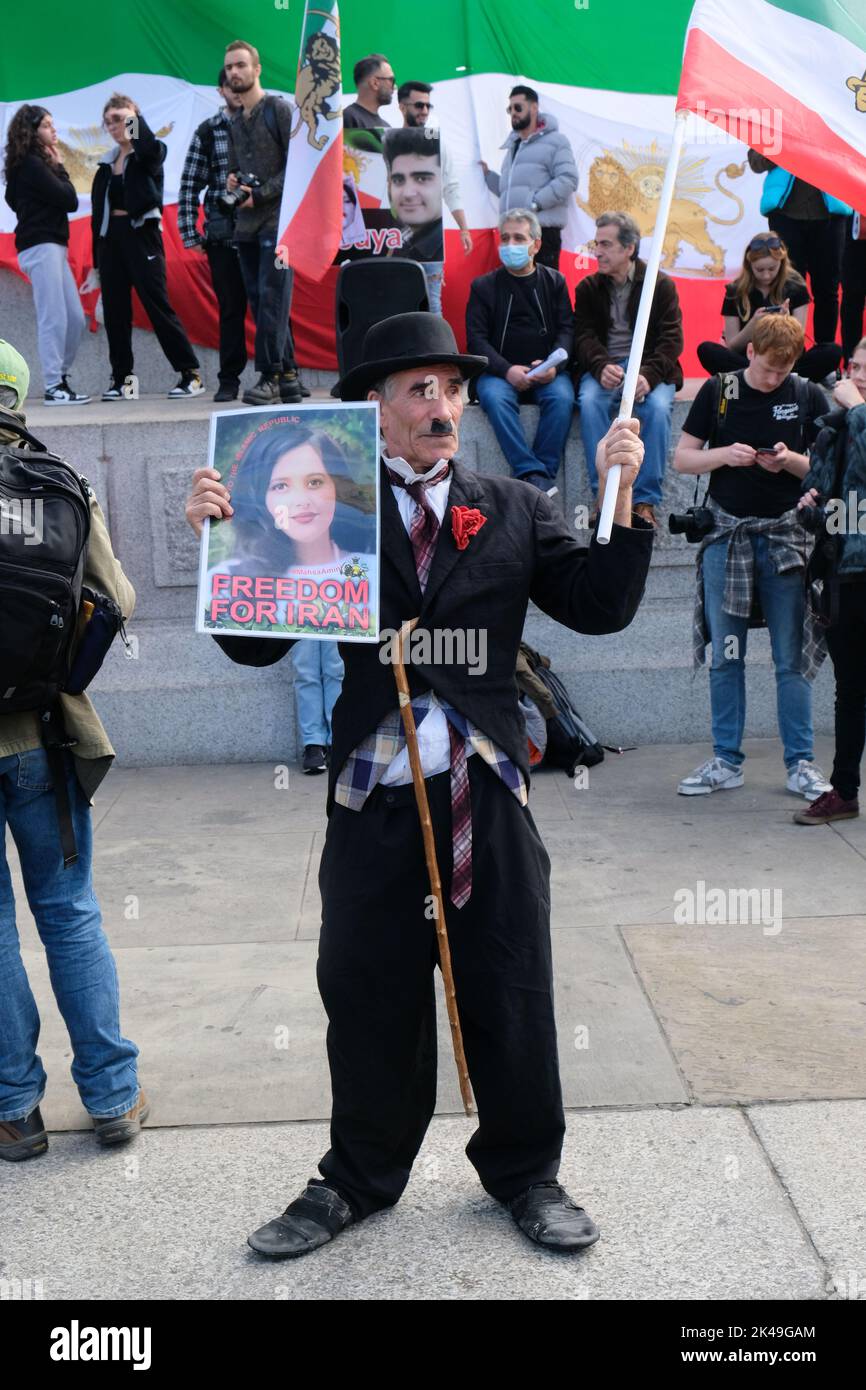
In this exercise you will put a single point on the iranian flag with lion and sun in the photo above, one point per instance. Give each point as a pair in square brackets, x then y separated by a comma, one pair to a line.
[612, 88]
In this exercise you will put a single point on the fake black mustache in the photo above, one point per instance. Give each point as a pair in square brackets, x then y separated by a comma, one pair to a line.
[441, 427]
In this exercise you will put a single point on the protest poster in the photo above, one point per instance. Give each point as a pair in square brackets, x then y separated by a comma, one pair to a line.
[299, 556]
[392, 194]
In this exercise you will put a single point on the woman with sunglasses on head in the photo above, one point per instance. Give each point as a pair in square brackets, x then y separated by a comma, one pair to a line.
[126, 217]
[41, 194]
[767, 284]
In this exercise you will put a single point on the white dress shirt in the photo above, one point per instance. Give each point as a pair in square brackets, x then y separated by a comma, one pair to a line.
[434, 742]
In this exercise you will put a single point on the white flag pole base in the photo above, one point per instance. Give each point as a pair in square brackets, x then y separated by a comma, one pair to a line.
[635, 357]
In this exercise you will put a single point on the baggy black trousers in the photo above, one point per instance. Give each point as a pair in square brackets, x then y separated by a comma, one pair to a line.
[133, 258]
[375, 973]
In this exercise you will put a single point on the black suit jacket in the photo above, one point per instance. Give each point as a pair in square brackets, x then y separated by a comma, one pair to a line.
[523, 551]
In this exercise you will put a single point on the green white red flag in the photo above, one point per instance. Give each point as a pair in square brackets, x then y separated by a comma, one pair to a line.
[311, 210]
[786, 73]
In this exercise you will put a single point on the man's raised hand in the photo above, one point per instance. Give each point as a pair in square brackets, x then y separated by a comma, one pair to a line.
[621, 445]
[208, 498]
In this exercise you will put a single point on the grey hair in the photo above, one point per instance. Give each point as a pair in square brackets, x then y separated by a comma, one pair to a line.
[522, 215]
[627, 230]
[384, 387]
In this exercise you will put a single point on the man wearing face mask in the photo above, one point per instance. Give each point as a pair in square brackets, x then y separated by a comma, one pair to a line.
[516, 317]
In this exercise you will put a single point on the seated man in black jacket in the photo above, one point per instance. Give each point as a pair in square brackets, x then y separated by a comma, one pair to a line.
[377, 949]
[516, 317]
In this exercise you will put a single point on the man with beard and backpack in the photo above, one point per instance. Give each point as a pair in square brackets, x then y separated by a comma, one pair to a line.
[60, 585]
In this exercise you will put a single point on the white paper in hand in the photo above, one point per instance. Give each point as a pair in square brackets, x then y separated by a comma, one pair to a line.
[558, 355]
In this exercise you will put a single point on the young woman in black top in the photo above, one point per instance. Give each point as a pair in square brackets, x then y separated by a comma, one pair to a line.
[767, 283]
[41, 194]
[128, 254]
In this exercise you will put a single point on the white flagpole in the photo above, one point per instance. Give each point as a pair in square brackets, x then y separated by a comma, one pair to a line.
[642, 322]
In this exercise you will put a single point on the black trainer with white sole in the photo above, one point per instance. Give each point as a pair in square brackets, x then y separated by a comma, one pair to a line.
[63, 394]
[315, 758]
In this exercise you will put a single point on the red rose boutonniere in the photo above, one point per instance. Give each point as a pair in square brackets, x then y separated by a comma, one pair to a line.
[465, 521]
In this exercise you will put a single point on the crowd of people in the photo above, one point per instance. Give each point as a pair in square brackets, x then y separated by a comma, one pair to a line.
[781, 542]
[236, 163]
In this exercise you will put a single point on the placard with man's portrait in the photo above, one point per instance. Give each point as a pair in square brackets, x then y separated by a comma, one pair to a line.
[392, 194]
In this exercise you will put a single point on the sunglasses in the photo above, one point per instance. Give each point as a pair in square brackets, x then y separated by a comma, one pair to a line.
[421, 105]
[516, 110]
[765, 243]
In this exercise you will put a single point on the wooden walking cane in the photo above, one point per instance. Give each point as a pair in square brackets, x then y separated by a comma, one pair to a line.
[408, 717]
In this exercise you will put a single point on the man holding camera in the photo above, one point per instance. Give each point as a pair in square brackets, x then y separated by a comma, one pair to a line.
[259, 136]
[748, 431]
[207, 167]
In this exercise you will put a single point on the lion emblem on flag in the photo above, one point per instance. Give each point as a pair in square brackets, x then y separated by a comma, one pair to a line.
[318, 79]
[857, 85]
[631, 179]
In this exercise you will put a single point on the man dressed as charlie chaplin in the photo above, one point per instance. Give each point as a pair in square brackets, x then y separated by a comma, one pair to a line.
[378, 947]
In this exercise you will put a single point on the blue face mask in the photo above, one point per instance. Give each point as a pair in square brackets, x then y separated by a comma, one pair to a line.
[514, 257]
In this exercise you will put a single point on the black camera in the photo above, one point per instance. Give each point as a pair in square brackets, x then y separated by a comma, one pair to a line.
[694, 523]
[813, 519]
[230, 201]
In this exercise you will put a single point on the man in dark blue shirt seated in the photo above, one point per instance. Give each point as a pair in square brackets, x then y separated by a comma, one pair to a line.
[516, 317]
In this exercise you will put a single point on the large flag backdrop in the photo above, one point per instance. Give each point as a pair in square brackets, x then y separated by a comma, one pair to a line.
[611, 82]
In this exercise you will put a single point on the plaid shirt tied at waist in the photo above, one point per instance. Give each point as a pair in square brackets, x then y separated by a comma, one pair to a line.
[789, 546]
[364, 768]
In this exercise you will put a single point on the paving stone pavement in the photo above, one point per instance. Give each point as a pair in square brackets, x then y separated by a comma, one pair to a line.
[713, 1069]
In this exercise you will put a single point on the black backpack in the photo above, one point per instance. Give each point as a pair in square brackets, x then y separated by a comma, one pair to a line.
[41, 570]
[569, 740]
[44, 530]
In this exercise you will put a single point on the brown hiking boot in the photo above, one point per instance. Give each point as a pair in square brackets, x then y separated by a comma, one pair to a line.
[645, 510]
[829, 806]
[25, 1138]
[117, 1129]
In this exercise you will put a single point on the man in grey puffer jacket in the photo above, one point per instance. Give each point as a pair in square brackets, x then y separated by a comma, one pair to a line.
[538, 171]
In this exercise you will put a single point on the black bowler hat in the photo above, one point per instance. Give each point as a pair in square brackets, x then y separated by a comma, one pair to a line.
[401, 342]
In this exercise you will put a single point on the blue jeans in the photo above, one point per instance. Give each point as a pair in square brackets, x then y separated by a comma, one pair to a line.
[269, 293]
[654, 413]
[318, 681]
[83, 974]
[782, 600]
[435, 273]
[501, 404]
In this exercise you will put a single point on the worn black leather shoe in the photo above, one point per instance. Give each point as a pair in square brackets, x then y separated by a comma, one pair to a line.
[25, 1138]
[546, 1214]
[309, 1221]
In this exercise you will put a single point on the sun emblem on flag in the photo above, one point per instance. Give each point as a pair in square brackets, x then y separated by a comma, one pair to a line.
[86, 146]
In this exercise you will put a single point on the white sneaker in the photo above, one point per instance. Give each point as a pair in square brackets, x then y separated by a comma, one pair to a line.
[713, 776]
[190, 384]
[807, 779]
